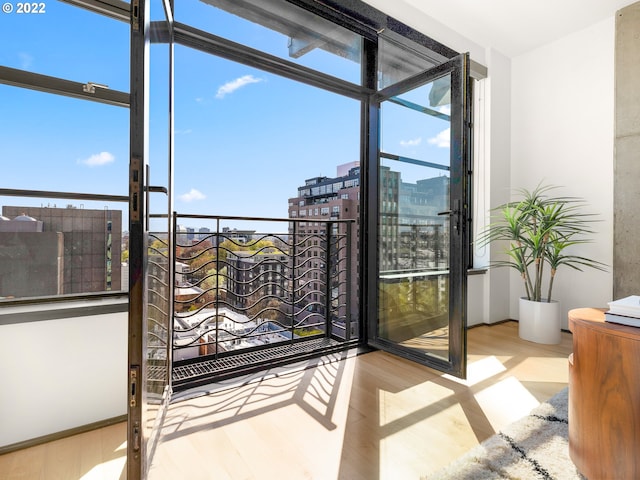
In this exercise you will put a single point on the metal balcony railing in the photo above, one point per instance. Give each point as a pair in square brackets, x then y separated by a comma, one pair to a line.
[245, 299]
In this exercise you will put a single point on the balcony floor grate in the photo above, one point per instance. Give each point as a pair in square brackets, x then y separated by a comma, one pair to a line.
[185, 376]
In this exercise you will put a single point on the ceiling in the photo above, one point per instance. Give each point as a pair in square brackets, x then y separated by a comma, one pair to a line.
[511, 27]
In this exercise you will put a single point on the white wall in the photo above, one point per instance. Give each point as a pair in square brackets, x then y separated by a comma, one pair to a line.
[488, 294]
[562, 129]
[61, 374]
[498, 172]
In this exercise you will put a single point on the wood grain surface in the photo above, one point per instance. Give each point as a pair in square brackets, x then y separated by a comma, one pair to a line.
[604, 397]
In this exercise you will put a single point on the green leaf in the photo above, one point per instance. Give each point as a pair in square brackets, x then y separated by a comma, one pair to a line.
[540, 229]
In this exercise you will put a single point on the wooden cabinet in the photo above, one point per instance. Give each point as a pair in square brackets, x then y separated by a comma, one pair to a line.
[604, 397]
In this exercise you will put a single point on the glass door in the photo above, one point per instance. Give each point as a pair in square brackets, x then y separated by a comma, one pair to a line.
[151, 256]
[422, 204]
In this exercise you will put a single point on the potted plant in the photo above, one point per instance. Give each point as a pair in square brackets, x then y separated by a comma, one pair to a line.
[538, 231]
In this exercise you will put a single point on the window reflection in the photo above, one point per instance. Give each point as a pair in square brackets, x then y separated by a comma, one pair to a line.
[281, 29]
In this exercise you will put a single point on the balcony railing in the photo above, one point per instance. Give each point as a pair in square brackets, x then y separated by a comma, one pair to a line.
[246, 299]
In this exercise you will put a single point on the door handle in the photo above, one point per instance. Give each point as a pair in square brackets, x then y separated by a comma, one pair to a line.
[156, 189]
[456, 212]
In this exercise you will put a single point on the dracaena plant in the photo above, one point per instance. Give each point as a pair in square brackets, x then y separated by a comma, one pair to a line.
[538, 231]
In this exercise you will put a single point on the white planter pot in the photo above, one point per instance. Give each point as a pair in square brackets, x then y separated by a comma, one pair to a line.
[540, 322]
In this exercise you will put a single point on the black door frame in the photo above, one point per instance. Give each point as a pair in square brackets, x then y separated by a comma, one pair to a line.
[458, 67]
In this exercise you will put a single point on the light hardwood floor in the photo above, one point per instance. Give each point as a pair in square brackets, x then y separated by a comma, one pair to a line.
[96, 455]
[373, 416]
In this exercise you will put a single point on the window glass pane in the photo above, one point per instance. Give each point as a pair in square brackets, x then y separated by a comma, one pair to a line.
[157, 12]
[60, 246]
[67, 42]
[281, 29]
[413, 232]
[159, 95]
[246, 140]
[52, 142]
[248, 144]
[52, 247]
[397, 62]
[416, 124]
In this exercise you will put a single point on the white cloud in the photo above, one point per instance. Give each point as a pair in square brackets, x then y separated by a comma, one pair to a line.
[98, 159]
[183, 132]
[192, 195]
[442, 140]
[411, 143]
[26, 60]
[446, 109]
[234, 85]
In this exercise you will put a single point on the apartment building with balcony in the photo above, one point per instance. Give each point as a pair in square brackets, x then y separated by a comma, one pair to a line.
[326, 245]
[253, 277]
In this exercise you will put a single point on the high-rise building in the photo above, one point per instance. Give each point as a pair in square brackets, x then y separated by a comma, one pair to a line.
[84, 246]
[203, 232]
[412, 234]
[389, 220]
[321, 200]
[253, 277]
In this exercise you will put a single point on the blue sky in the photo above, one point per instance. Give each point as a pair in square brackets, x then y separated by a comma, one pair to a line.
[244, 139]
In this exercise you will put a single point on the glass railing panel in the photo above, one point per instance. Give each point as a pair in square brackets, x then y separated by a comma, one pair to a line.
[158, 309]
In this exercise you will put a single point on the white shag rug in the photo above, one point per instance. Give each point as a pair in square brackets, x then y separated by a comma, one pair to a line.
[534, 447]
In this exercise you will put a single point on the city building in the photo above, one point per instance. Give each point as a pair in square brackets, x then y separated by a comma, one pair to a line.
[75, 250]
[321, 208]
[211, 331]
[238, 236]
[413, 233]
[257, 279]
[412, 230]
[203, 232]
[31, 260]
